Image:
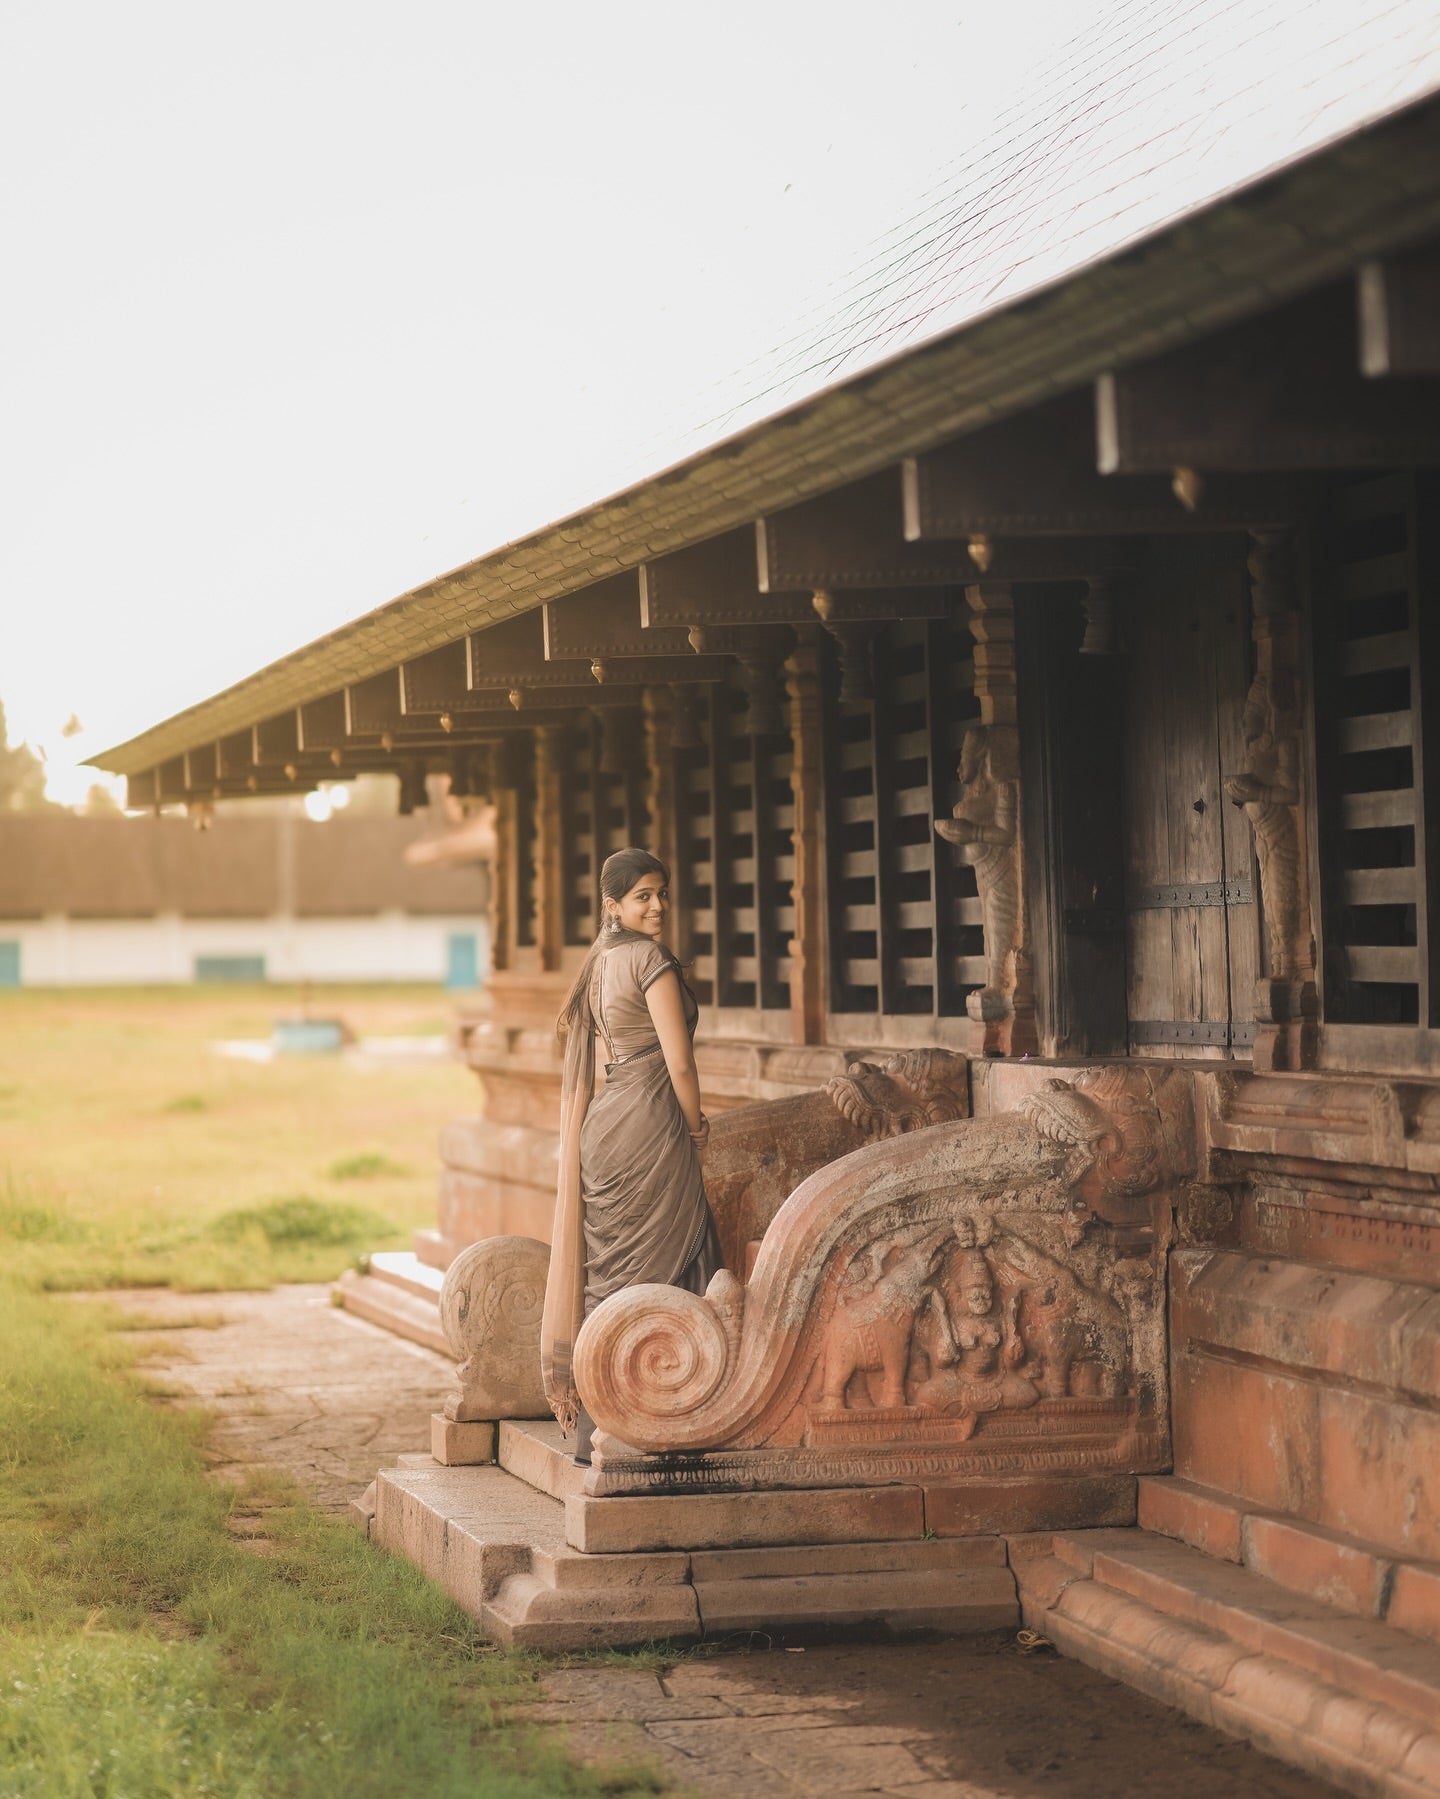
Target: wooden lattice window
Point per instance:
(695, 847)
(735, 818)
(1375, 673)
(904, 918)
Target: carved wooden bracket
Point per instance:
(985, 828)
(1270, 791)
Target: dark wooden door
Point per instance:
(1191, 921)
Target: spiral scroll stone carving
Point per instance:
(490, 1307)
(654, 1356)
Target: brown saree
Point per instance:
(630, 1204)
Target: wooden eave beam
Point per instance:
(277, 739)
(512, 654)
(606, 620)
(1399, 306)
(141, 791)
(1034, 475)
(202, 767)
(373, 705)
(170, 780)
(235, 755)
(436, 682)
(1281, 392)
(320, 724)
(853, 537)
(713, 583)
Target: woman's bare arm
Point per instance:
(667, 1014)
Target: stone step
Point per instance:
(628, 1522)
(402, 1269)
(1349, 1699)
(497, 1545)
(1354, 1576)
(535, 1450)
(394, 1307)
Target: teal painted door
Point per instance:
(462, 963)
(9, 964)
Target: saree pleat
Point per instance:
(646, 1216)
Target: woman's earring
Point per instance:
(612, 924)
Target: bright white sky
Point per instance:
(307, 302)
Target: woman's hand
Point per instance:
(701, 1136)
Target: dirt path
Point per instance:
(296, 1384)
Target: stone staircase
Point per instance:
(1317, 1649)
(1275, 1631)
(398, 1292)
(543, 1565)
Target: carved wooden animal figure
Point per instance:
(1077, 1340)
(874, 1320)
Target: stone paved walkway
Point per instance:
(298, 1385)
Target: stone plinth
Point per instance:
(503, 1549)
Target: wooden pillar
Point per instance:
(986, 828)
(659, 710)
(1271, 791)
(807, 946)
(502, 887)
(549, 850)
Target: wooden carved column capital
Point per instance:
(1270, 791)
(807, 946)
(761, 651)
(856, 638)
(985, 828)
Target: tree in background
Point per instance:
(22, 776)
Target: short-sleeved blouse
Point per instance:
(617, 998)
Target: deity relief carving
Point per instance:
(968, 1321)
(981, 1296)
(905, 1092)
(985, 828)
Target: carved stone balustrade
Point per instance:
(982, 1299)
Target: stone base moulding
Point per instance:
(504, 1550)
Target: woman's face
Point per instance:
(644, 907)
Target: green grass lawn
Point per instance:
(146, 1650)
(131, 1154)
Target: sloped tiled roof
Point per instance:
(1186, 163)
(1167, 106)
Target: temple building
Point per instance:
(1041, 717)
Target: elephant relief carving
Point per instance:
(1076, 1338)
(874, 1322)
(965, 1320)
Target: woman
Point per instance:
(631, 1204)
